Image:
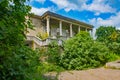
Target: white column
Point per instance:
(48, 25)
(79, 29)
(92, 32)
(71, 34)
(60, 26)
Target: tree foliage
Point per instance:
(13, 22)
(17, 62)
(110, 36)
(82, 52)
(104, 33)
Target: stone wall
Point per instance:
(38, 27)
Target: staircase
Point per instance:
(40, 42)
(37, 40)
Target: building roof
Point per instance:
(48, 13)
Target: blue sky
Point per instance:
(95, 12)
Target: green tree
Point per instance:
(118, 35)
(17, 62)
(103, 33)
(110, 36)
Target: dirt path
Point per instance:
(92, 74)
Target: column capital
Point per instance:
(47, 17)
(60, 21)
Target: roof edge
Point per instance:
(62, 17)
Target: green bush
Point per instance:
(114, 47)
(113, 57)
(19, 63)
(81, 52)
(53, 52)
(48, 67)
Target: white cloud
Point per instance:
(97, 6)
(39, 11)
(97, 13)
(65, 4)
(112, 21)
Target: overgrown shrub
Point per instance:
(19, 63)
(53, 52)
(113, 57)
(49, 67)
(114, 47)
(49, 57)
(81, 52)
